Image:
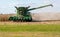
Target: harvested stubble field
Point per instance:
(30, 29)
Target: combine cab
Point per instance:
(23, 13)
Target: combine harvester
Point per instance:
(23, 13)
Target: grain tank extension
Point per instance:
(23, 13)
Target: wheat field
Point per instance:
(30, 29)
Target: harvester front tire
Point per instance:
(10, 18)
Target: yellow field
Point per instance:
(29, 34)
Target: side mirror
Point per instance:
(15, 7)
(51, 5)
(28, 7)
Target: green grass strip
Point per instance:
(30, 28)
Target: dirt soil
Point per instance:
(28, 23)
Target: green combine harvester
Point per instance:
(23, 13)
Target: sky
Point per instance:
(7, 6)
